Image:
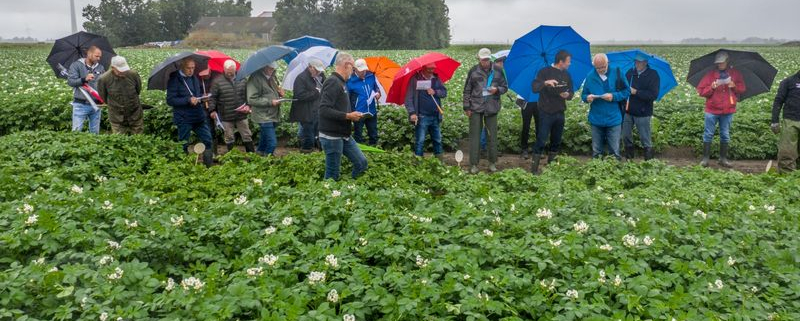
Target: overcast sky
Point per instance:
(505, 20)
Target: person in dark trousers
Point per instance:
(183, 94)
(362, 85)
(336, 121)
(423, 110)
(228, 96)
(305, 106)
(554, 86)
(530, 116)
(645, 84)
(83, 76)
(788, 99)
(485, 85)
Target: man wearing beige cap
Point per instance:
(305, 104)
(486, 83)
(364, 96)
(120, 88)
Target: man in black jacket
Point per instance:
(228, 99)
(336, 121)
(305, 106)
(788, 99)
(554, 86)
(645, 84)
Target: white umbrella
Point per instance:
(300, 63)
(500, 54)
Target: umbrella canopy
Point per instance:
(299, 64)
(303, 43)
(73, 47)
(757, 72)
(537, 49)
(445, 68)
(384, 69)
(625, 60)
(159, 76)
(216, 60)
(261, 59)
(500, 54)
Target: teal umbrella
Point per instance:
(261, 59)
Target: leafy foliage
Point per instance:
(155, 237)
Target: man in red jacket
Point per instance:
(721, 88)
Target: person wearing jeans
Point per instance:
(263, 97)
(82, 76)
(604, 91)
(554, 86)
(364, 95)
(336, 121)
(645, 88)
(423, 109)
(721, 88)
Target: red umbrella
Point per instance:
(217, 60)
(445, 68)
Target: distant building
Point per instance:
(262, 27)
(265, 14)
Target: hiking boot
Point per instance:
(648, 154)
(551, 157)
(629, 153)
(525, 154)
(474, 170)
(248, 147)
(492, 167)
(706, 154)
(230, 147)
(208, 158)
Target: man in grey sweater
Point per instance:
(82, 77)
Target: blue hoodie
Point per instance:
(360, 90)
(605, 113)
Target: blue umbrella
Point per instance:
(261, 59)
(625, 60)
(303, 43)
(538, 49)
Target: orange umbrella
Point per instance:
(384, 70)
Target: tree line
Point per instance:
(367, 24)
(134, 22)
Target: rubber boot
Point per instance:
(706, 154)
(723, 155)
(535, 166)
(208, 158)
(525, 154)
(551, 157)
(648, 154)
(248, 147)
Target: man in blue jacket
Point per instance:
(362, 86)
(645, 84)
(604, 91)
(423, 106)
(184, 94)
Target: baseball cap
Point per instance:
(317, 64)
(361, 65)
(484, 53)
(120, 64)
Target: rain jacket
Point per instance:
(605, 113)
(788, 98)
(260, 94)
(121, 94)
(721, 101)
(360, 90)
(226, 96)
(647, 88)
(180, 90)
(477, 79)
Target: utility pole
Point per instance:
(72, 16)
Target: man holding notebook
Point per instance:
(423, 103)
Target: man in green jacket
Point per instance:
(120, 88)
(263, 96)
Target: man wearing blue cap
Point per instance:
(644, 85)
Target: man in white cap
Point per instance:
(364, 95)
(263, 96)
(485, 85)
(721, 88)
(305, 103)
(120, 88)
(228, 102)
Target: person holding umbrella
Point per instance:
(184, 94)
(423, 100)
(788, 99)
(228, 102)
(645, 85)
(721, 88)
(120, 88)
(364, 96)
(305, 104)
(82, 77)
(485, 85)
(554, 86)
(264, 97)
(603, 91)
(336, 121)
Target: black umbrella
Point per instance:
(73, 47)
(757, 72)
(160, 74)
